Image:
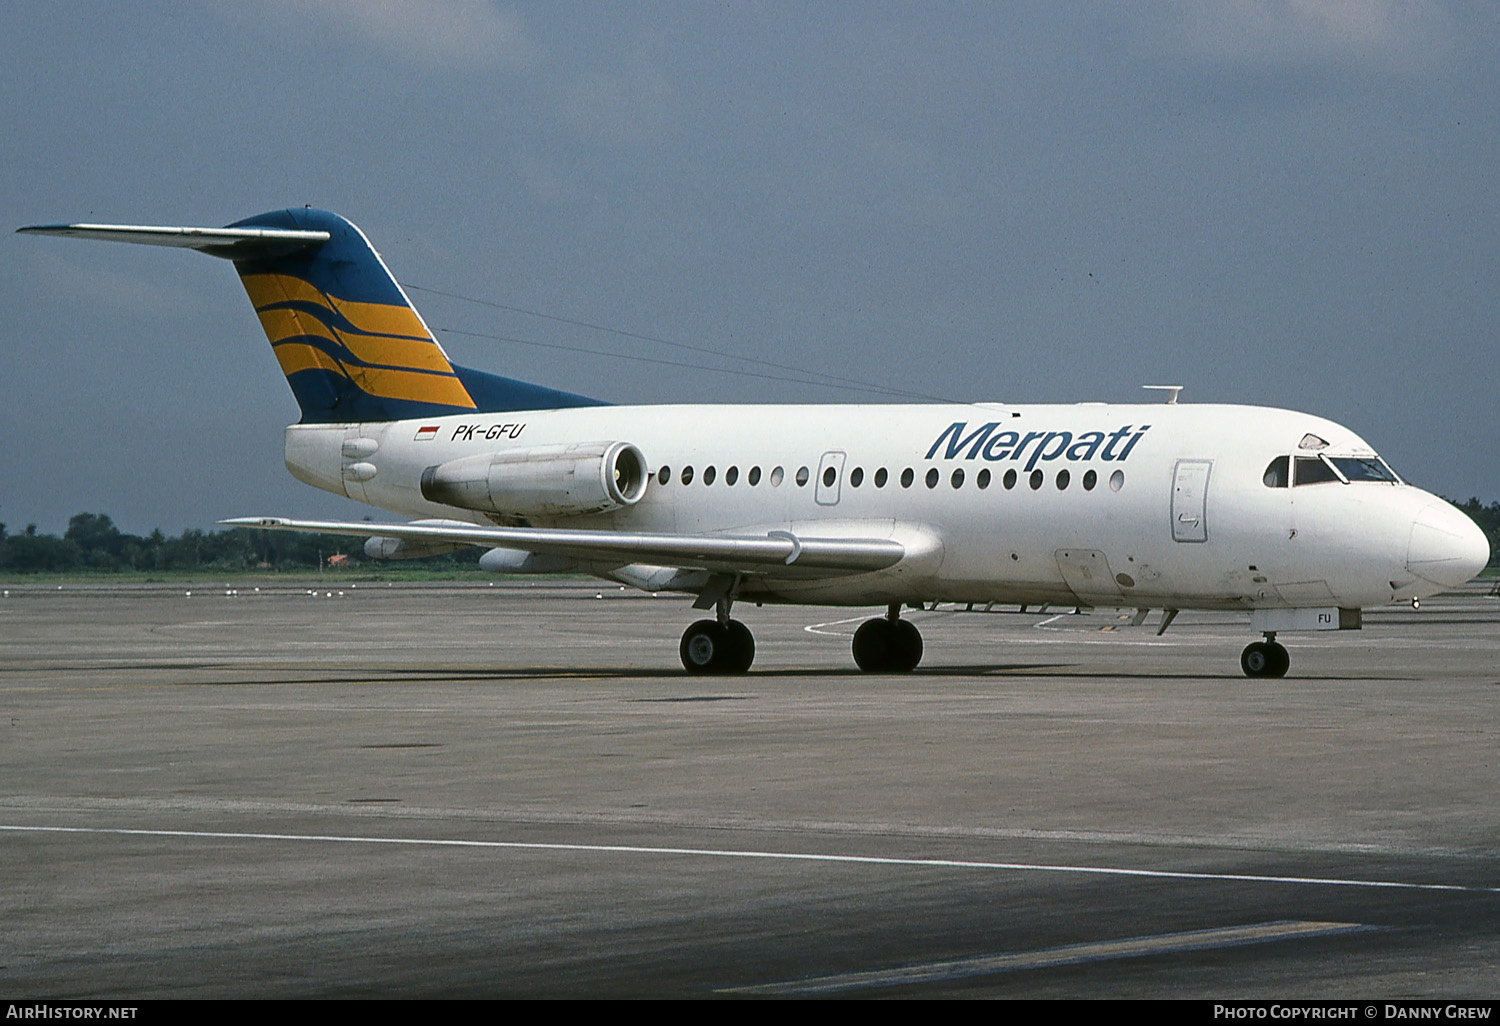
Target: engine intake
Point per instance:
(544, 481)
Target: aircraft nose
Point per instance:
(1446, 548)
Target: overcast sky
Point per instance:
(1291, 202)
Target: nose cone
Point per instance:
(1447, 548)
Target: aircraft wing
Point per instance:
(768, 553)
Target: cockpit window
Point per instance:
(1277, 473)
(1311, 470)
(1358, 469)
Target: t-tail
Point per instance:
(352, 346)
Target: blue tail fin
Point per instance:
(352, 346)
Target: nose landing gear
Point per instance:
(1265, 658)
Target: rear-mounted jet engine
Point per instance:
(545, 481)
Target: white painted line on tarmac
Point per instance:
(774, 856)
(817, 628)
(1048, 958)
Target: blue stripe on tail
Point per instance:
(351, 344)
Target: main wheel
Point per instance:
(704, 647)
(882, 645)
(708, 647)
(872, 645)
(1281, 660)
(908, 649)
(1265, 659)
(741, 648)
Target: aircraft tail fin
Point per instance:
(351, 344)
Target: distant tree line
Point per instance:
(93, 542)
(1488, 519)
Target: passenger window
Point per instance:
(932, 478)
(1063, 477)
(1276, 473)
(709, 474)
(664, 475)
(1010, 480)
(856, 477)
(803, 475)
(907, 477)
(829, 476)
(731, 475)
(958, 478)
(754, 476)
(1117, 480)
(1311, 470)
(1089, 480)
(880, 478)
(776, 477)
(983, 480)
(1036, 479)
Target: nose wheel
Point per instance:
(709, 647)
(1265, 659)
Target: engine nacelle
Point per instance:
(414, 548)
(512, 561)
(545, 481)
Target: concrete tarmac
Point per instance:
(515, 791)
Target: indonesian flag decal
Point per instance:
(426, 433)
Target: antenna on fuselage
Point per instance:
(1171, 390)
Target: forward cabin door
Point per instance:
(1190, 500)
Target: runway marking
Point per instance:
(503, 817)
(813, 628)
(782, 856)
(1048, 958)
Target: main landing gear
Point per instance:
(888, 644)
(1265, 658)
(719, 646)
(722, 647)
(711, 647)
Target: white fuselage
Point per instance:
(1161, 506)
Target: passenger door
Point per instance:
(1190, 500)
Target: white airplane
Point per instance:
(1291, 518)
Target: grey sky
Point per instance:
(1287, 203)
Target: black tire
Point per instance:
(741, 649)
(704, 647)
(908, 646)
(1281, 660)
(887, 646)
(872, 646)
(1259, 660)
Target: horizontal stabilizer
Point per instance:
(229, 243)
(781, 552)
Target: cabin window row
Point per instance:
(881, 477)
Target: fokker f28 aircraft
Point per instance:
(1288, 517)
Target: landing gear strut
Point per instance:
(888, 644)
(719, 647)
(1265, 658)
